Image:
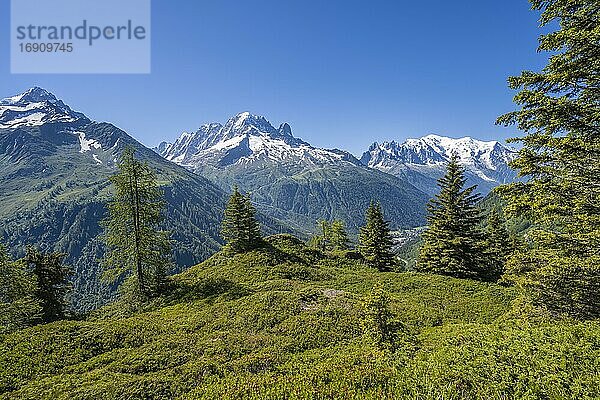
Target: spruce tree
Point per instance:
(240, 229)
(375, 240)
(19, 306)
(52, 283)
(452, 241)
(498, 246)
(560, 160)
(135, 244)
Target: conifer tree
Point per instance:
(333, 236)
(19, 307)
(339, 236)
(498, 246)
(452, 241)
(240, 229)
(323, 240)
(560, 159)
(378, 322)
(135, 244)
(375, 240)
(52, 283)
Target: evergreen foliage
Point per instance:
(284, 321)
(19, 307)
(452, 242)
(135, 245)
(498, 246)
(52, 283)
(378, 322)
(240, 229)
(339, 236)
(560, 158)
(333, 236)
(375, 240)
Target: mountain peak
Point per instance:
(486, 162)
(247, 123)
(34, 95)
(247, 138)
(35, 107)
(285, 129)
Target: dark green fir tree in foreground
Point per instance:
(559, 270)
(240, 229)
(375, 241)
(452, 242)
(52, 283)
(135, 244)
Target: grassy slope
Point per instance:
(285, 323)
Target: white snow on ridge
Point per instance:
(33, 108)
(244, 139)
(33, 119)
(87, 144)
(228, 144)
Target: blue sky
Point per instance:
(343, 73)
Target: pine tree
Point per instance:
(52, 283)
(452, 242)
(134, 243)
(240, 228)
(19, 307)
(560, 159)
(498, 246)
(339, 236)
(375, 240)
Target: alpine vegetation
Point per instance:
(558, 269)
(135, 244)
(375, 240)
(411, 285)
(452, 243)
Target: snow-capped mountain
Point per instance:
(246, 139)
(423, 160)
(35, 107)
(290, 178)
(55, 166)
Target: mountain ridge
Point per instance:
(248, 138)
(54, 174)
(423, 160)
(288, 176)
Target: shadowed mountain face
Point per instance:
(291, 179)
(54, 169)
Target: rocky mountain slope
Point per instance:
(422, 161)
(54, 169)
(291, 179)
